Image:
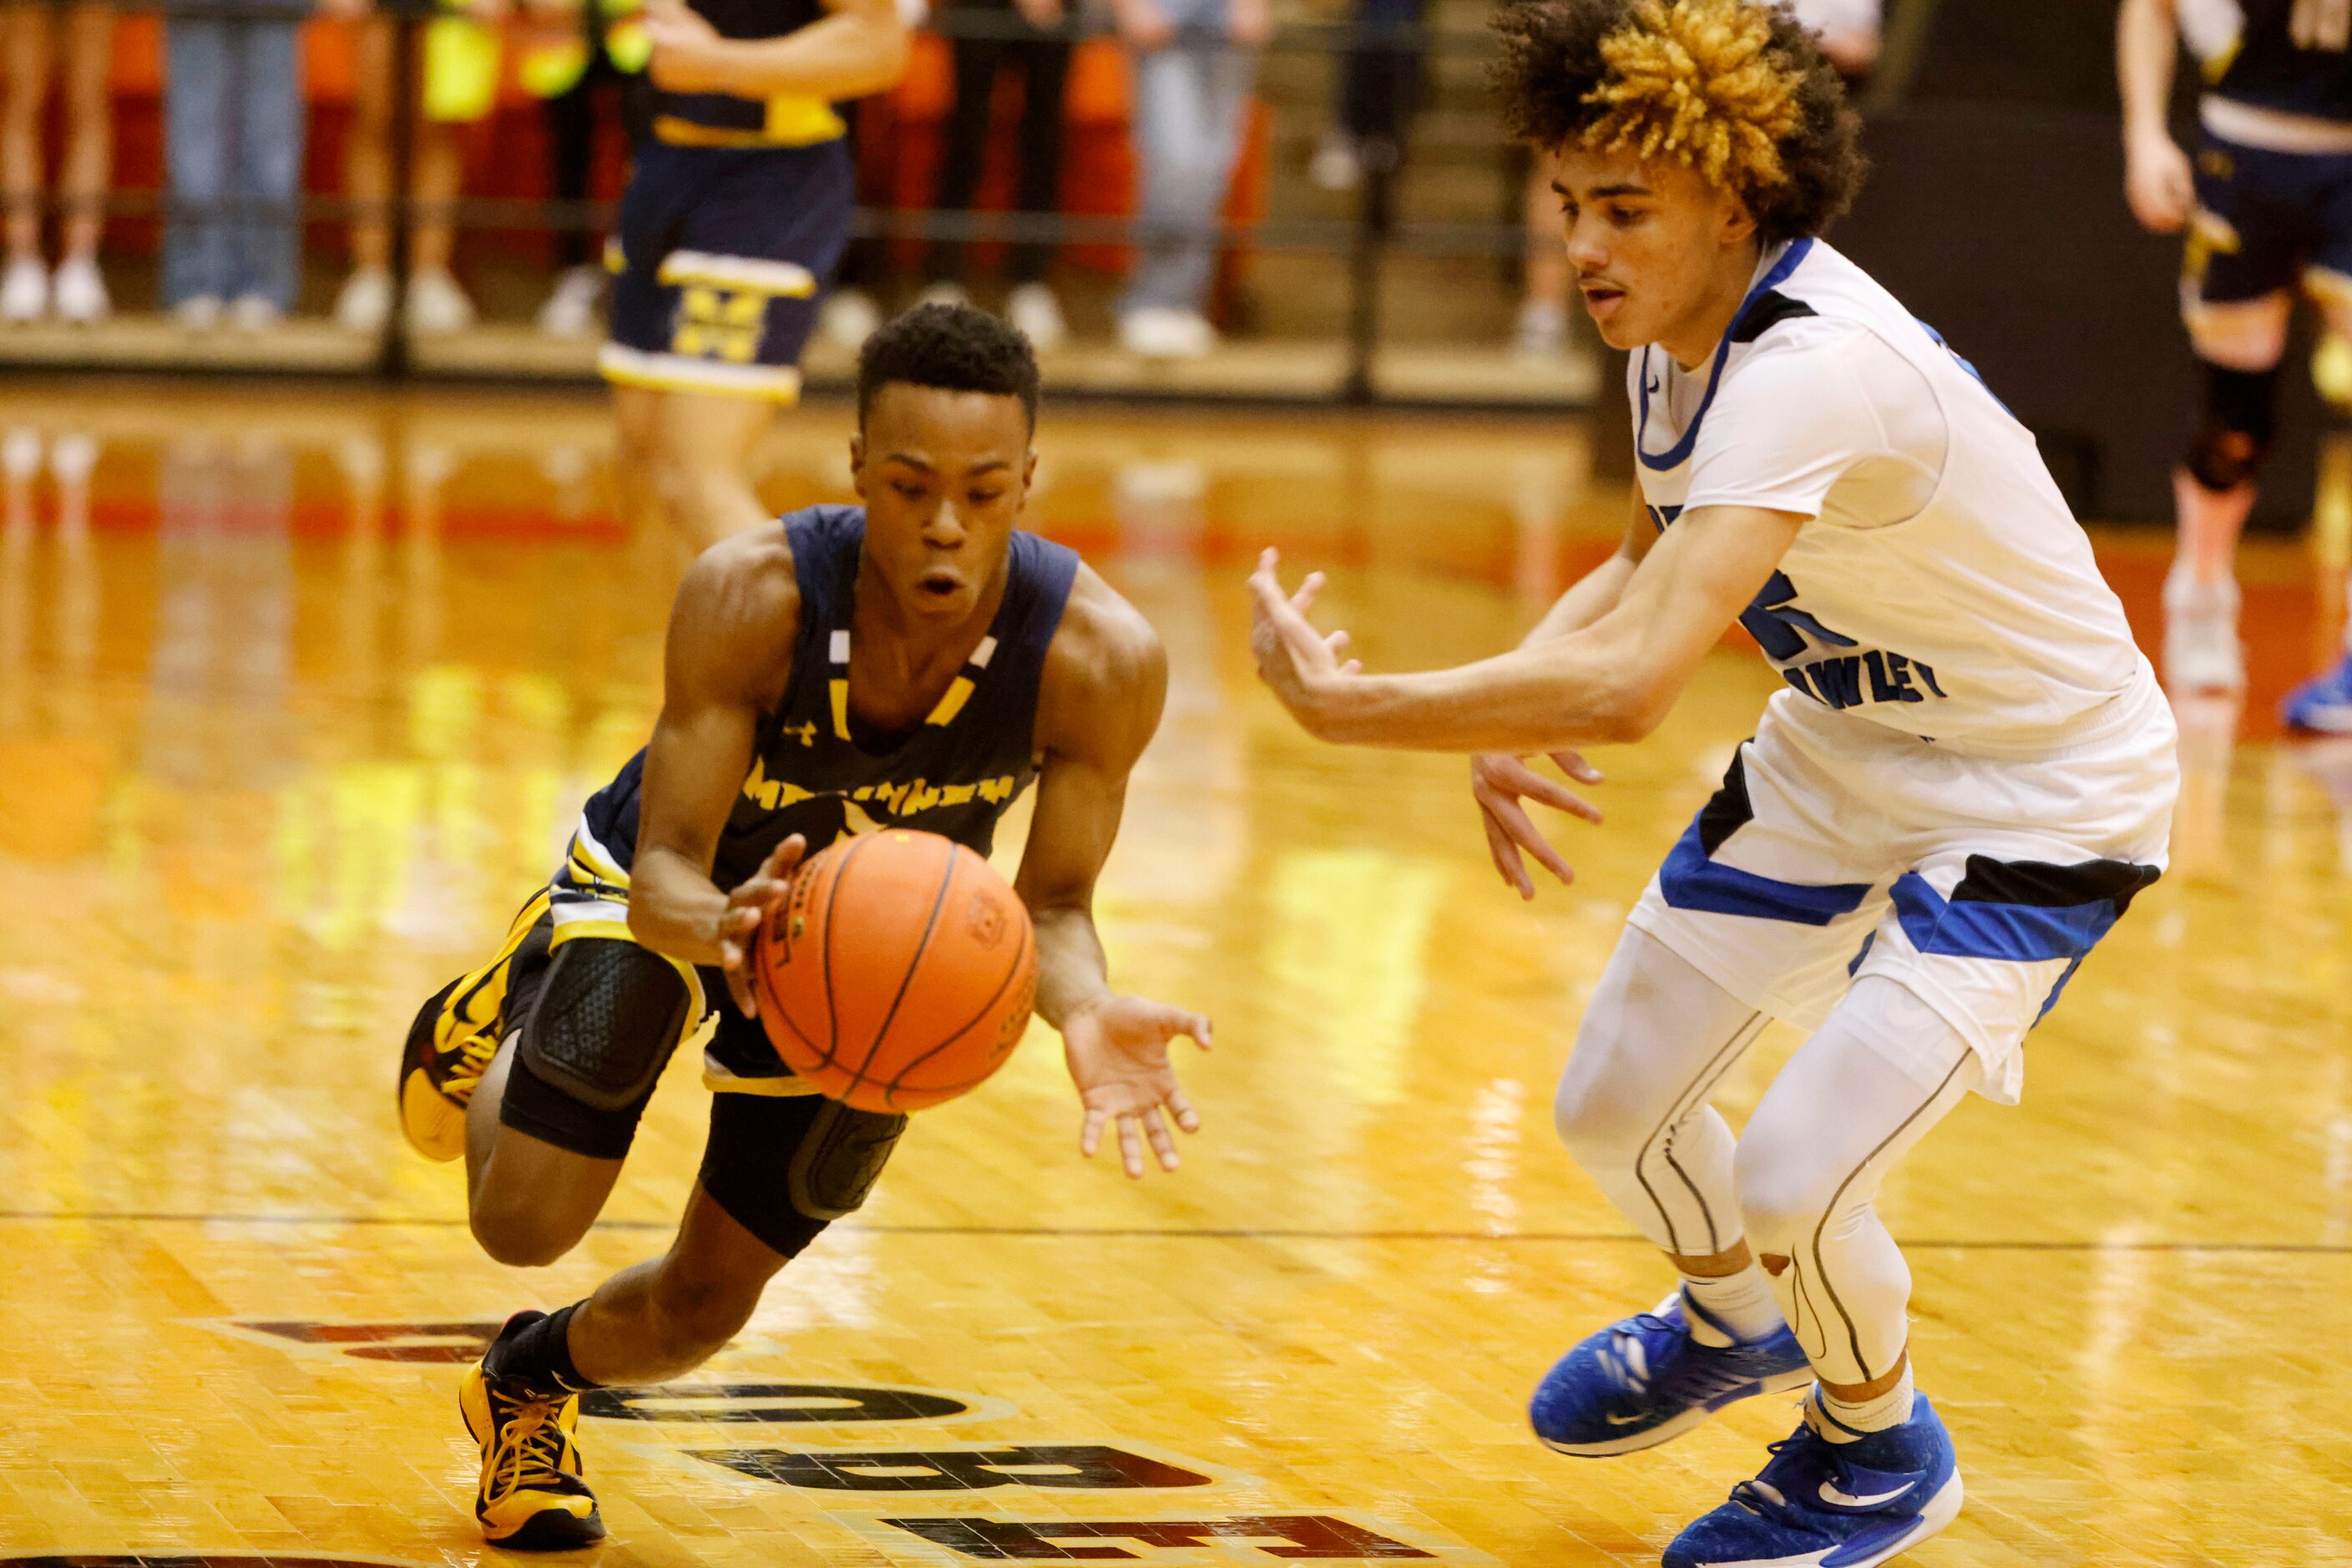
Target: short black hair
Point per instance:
(1748, 66)
(955, 348)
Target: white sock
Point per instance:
(1847, 1422)
(1741, 1303)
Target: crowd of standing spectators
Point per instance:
(234, 114)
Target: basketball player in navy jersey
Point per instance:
(2267, 204)
(735, 218)
(914, 662)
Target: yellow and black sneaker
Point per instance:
(456, 1035)
(530, 1497)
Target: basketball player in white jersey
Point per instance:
(2267, 205)
(1969, 777)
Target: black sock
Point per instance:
(539, 1353)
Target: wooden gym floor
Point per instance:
(298, 692)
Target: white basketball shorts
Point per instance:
(1838, 847)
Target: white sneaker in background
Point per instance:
(437, 306)
(23, 292)
(253, 313)
(1337, 165)
(1540, 331)
(365, 301)
(1157, 333)
(1032, 308)
(571, 310)
(77, 292)
(848, 317)
(2201, 652)
(198, 313)
(944, 294)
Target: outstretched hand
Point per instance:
(1300, 664)
(1500, 782)
(1117, 1049)
(747, 905)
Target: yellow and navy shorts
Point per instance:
(721, 252)
(597, 1015)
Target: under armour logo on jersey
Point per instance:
(804, 734)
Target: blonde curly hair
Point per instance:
(1737, 90)
(1698, 81)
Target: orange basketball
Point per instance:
(898, 972)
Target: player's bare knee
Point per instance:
(521, 1233)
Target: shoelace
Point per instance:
(475, 1052)
(530, 1445)
(1764, 1499)
(1626, 1358)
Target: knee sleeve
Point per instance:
(785, 1166)
(2235, 429)
(1856, 1098)
(608, 1017)
(1632, 1102)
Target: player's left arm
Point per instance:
(860, 48)
(1105, 681)
(1612, 680)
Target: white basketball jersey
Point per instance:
(1941, 587)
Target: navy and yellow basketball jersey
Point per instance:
(815, 771)
(723, 120)
(2290, 56)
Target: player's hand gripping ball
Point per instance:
(897, 973)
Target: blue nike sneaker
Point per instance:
(1819, 1504)
(1645, 1380)
(2322, 705)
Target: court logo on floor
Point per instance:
(1232, 1539)
(1058, 1467)
(195, 1559)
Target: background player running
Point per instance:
(736, 215)
(2268, 208)
(1968, 777)
(915, 662)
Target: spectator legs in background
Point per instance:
(198, 154)
(266, 239)
(1044, 64)
(570, 119)
(233, 127)
(1380, 89)
(848, 315)
(1045, 70)
(78, 292)
(1541, 330)
(1189, 99)
(436, 302)
(963, 143)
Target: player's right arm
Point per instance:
(860, 48)
(2158, 181)
(1500, 782)
(727, 657)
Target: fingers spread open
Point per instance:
(1507, 858)
(1523, 833)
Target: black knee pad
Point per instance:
(2240, 418)
(607, 1018)
(840, 1158)
(786, 1166)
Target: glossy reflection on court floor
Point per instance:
(299, 692)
